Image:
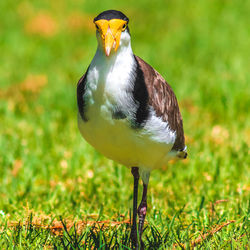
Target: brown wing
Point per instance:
(164, 102)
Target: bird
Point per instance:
(127, 111)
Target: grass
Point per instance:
(57, 192)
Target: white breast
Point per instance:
(107, 85)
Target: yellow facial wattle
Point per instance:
(110, 31)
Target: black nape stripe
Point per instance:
(81, 88)
(140, 94)
(111, 14)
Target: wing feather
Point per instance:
(164, 102)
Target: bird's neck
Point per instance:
(119, 67)
(123, 55)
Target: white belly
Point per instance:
(118, 141)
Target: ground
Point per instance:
(57, 191)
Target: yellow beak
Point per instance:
(110, 31)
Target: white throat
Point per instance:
(114, 74)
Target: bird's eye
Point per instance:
(124, 27)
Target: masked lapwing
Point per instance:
(127, 111)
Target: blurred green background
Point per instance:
(46, 168)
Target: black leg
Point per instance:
(142, 209)
(135, 173)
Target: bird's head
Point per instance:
(112, 30)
